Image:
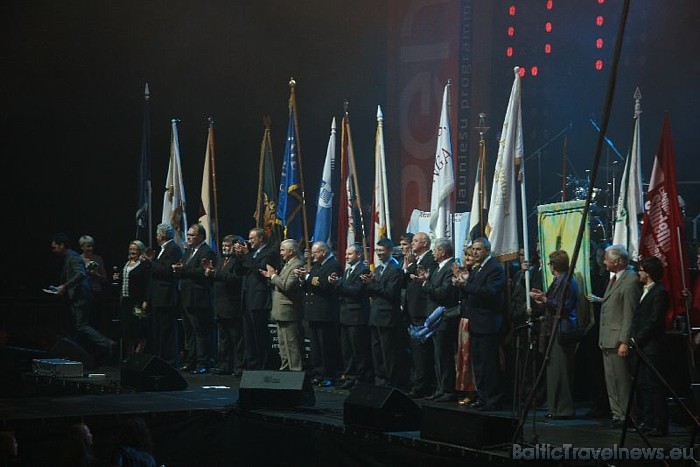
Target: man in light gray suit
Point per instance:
(617, 310)
(287, 306)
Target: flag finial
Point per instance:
(637, 102)
(516, 70)
(481, 127)
(147, 92)
(380, 115)
(267, 121)
(346, 106)
(292, 82)
(211, 121)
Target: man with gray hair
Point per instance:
(163, 293)
(616, 312)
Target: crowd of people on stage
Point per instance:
(441, 328)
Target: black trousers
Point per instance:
(199, 343)
(422, 354)
(324, 348)
(651, 394)
(484, 352)
(355, 341)
(80, 323)
(231, 344)
(257, 338)
(445, 343)
(388, 356)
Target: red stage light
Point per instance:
(599, 20)
(511, 31)
(521, 71)
(550, 4)
(509, 51)
(599, 43)
(598, 65)
(548, 48)
(511, 10)
(534, 71)
(548, 26)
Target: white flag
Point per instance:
(502, 226)
(441, 204)
(206, 211)
(324, 209)
(380, 215)
(174, 197)
(479, 205)
(630, 201)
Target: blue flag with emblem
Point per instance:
(289, 201)
(324, 210)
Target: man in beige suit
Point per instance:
(287, 306)
(616, 312)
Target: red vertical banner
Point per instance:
(424, 51)
(663, 232)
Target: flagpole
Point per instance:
(293, 105)
(380, 122)
(147, 98)
(453, 195)
(215, 218)
(563, 171)
(259, 213)
(351, 161)
(520, 163)
(481, 165)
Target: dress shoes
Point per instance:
(434, 396)
(446, 397)
(316, 380)
(200, 371)
(617, 423)
(465, 402)
(477, 404)
(417, 394)
(326, 383)
(187, 367)
(222, 372)
(552, 416)
(347, 384)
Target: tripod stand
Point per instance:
(525, 369)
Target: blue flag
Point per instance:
(289, 201)
(324, 211)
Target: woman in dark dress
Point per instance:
(133, 284)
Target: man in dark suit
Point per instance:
(416, 309)
(440, 291)
(227, 277)
(354, 317)
(384, 287)
(648, 329)
(482, 304)
(321, 313)
(163, 293)
(195, 291)
(75, 286)
(257, 298)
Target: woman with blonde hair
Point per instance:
(133, 305)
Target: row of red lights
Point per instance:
(510, 31)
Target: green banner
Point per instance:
(558, 226)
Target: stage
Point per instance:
(203, 425)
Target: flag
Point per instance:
(350, 224)
(630, 202)
(174, 197)
(266, 206)
(207, 207)
(324, 210)
(663, 232)
(442, 195)
(144, 215)
(479, 207)
(502, 225)
(381, 219)
(289, 207)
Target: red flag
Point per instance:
(663, 233)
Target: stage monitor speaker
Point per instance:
(275, 389)
(70, 350)
(381, 408)
(144, 372)
(466, 428)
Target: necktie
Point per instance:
(379, 271)
(612, 281)
(348, 271)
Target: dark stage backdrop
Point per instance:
(72, 76)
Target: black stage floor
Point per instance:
(202, 425)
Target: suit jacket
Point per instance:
(228, 281)
(320, 301)
(286, 292)
(137, 284)
(163, 284)
(483, 298)
(195, 287)
(385, 292)
(74, 277)
(648, 324)
(353, 296)
(616, 312)
(416, 300)
(440, 291)
(256, 290)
